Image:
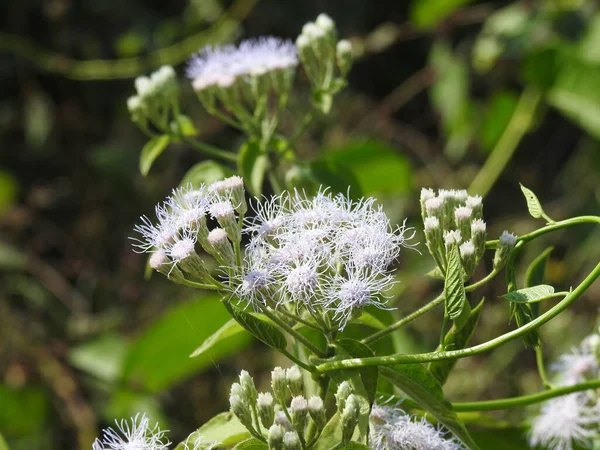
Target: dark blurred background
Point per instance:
(479, 95)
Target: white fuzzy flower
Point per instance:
(566, 422)
(222, 66)
(135, 434)
(198, 443)
(393, 429)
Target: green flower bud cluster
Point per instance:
(283, 417)
(155, 98)
(348, 407)
(325, 59)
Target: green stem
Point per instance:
(539, 359)
(470, 351)
(524, 400)
(299, 337)
(481, 282)
(549, 228)
(209, 149)
(212, 287)
(500, 156)
(298, 319)
(404, 321)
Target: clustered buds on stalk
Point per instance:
(284, 417)
(452, 217)
(155, 98)
(573, 420)
(182, 229)
(321, 53)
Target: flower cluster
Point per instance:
(155, 97)
(393, 429)
(320, 53)
(570, 421)
(323, 253)
(285, 414)
(326, 254)
(240, 80)
(183, 223)
(453, 217)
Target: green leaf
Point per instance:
(530, 295)
(368, 375)
(457, 306)
(251, 444)
(576, 93)
(450, 96)
(159, 357)
(206, 172)
(127, 402)
(3, 444)
(418, 383)
(263, 331)
(252, 164)
(436, 273)
(589, 45)
(496, 117)
(377, 166)
(355, 446)
(370, 320)
(455, 340)
(505, 439)
(102, 358)
(328, 172)
(185, 124)
(223, 428)
(429, 13)
(331, 434)
(152, 150)
(25, 412)
(533, 204)
(11, 258)
(231, 328)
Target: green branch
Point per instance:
(470, 351)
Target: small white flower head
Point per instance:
(136, 434)
(392, 429)
(217, 237)
(426, 194)
(325, 22)
(189, 205)
(433, 206)
(183, 247)
(159, 235)
(431, 223)
(158, 260)
(474, 202)
(222, 210)
(478, 227)
(460, 195)
(507, 239)
(222, 66)
(452, 237)
(301, 282)
(463, 213)
(579, 365)
(565, 423)
(467, 249)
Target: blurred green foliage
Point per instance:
(434, 95)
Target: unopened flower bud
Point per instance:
(241, 409)
(291, 441)
(433, 233)
(469, 257)
(144, 87)
(506, 243)
(343, 55)
(451, 238)
(426, 194)
(221, 247)
(316, 410)
(462, 219)
(225, 214)
(433, 207)
(294, 380)
(275, 438)
(325, 22)
(475, 202)
(279, 384)
(460, 195)
(237, 389)
(349, 417)
(247, 384)
(478, 236)
(282, 420)
(299, 413)
(266, 409)
(160, 262)
(343, 392)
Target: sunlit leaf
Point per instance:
(252, 164)
(457, 306)
(102, 358)
(223, 428)
(152, 150)
(231, 328)
(530, 294)
(206, 172)
(533, 204)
